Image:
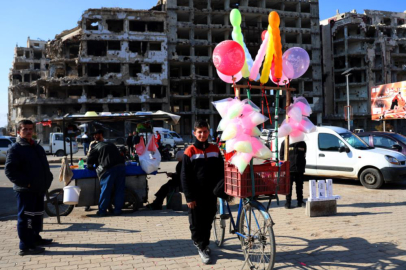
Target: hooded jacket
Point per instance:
(202, 169)
(28, 168)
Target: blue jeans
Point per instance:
(85, 148)
(30, 207)
(112, 178)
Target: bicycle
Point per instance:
(254, 228)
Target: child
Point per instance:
(202, 169)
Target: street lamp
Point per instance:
(347, 73)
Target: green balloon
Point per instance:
(235, 17)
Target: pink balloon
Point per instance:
(229, 79)
(229, 57)
(295, 62)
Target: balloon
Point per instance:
(259, 58)
(306, 125)
(228, 57)
(295, 62)
(248, 57)
(263, 34)
(295, 113)
(229, 132)
(274, 22)
(235, 19)
(302, 103)
(282, 81)
(229, 79)
(266, 69)
(222, 106)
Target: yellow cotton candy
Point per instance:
(229, 133)
(240, 163)
(264, 153)
(243, 147)
(256, 132)
(235, 110)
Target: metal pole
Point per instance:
(348, 103)
(383, 125)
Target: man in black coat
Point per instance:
(130, 144)
(28, 168)
(297, 160)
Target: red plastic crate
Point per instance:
(265, 175)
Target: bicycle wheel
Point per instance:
(259, 244)
(50, 206)
(219, 227)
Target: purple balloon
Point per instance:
(295, 62)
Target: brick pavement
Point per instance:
(367, 233)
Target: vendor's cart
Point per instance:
(136, 192)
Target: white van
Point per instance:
(169, 137)
(55, 146)
(334, 152)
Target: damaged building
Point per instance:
(373, 44)
(119, 60)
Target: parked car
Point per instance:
(5, 145)
(56, 148)
(266, 134)
(13, 139)
(335, 152)
(386, 140)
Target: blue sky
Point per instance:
(44, 19)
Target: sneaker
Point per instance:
(43, 242)
(204, 256)
(31, 251)
(154, 206)
(101, 214)
(287, 205)
(208, 250)
(301, 204)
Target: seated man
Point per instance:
(170, 185)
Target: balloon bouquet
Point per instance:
(240, 118)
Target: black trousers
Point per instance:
(30, 207)
(165, 189)
(298, 179)
(201, 219)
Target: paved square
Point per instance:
(367, 233)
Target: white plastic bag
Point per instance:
(150, 161)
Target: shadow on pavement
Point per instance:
(88, 227)
(319, 253)
(374, 204)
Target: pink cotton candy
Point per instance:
(238, 161)
(246, 109)
(222, 106)
(256, 145)
(307, 126)
(264, 153)
(230, 145)
(285, 129)
(306, 110)
(247, 157)
(295, 113)
(296, 136)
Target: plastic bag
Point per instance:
(150, 161)
(140, 148)
(152, 145)
(65, 173)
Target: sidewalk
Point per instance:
(367, 233)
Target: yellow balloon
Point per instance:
(266, 69)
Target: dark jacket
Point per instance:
(202, 169)
(297, 156)
(28, 168)
(136, 140)
(129, 140)
(104, 156)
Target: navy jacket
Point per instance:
(28, 168)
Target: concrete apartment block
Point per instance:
(374, 45)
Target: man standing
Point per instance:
(129, 143)
(110, 169)
(27, 167)
(86, 143)
(297, 163)
(136, 138)
(158, 139)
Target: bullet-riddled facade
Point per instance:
(133, 60)
(373, 44)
